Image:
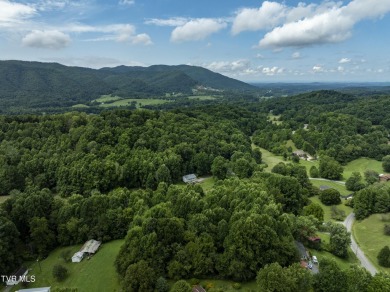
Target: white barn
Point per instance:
(190, 178)
(90, 247)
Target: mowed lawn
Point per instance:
(327, 209)
(361, 165)
(96, 274)
(202, 97)
(369, 235)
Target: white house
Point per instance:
(41, 289)
(90, 247)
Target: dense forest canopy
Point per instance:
(116, 174)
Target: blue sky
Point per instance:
(254, 41)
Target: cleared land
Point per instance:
(139, 102)
(361, 165)
(328, 209)
(96, 274)
(107, 98)
(369, 235)
(274, 119)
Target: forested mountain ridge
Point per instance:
(33, 85)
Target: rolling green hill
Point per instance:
(38, 87)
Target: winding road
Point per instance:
(348, 222)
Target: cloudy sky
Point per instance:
(256, 41)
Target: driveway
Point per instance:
(348, 222)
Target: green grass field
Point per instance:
(208, 183)
(270, 159)
(361, 165)
(274, 119)
(337, 186)
(139, 102)
(227, 286)
(369, 235)
(96, 274)
(202, 97)
(327, 209)
(80, 105)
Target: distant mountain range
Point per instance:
(40, 85)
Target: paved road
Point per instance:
(348, 222)
(324, 179)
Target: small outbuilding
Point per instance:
(41, 289)
(190, 178)
(198, 288)
(89, 248)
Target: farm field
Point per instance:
(337, 186)
(361, 165)
(369, 235)
(80, 105)
(96, 274)
(107, 98)
(139, 102)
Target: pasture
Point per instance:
(96, 274)
(369, 235)
(138, 102)
(361, 165)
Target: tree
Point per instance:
(9, 239)
(219, 168)
(330, 197)
(354, 183)
(331, 278)
(41, 235)
(380, 282)
(315, 210)
(162, 285)
(140, 277)
(386, 163)
(330, 168)
(340, 239)
(384, 257)
(163, 175)
(358, 278)
(314, 172)
(371, 176)
(60, 272)
(181, 286)
(274, 278)
(257, 155)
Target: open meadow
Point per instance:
(96, 274)
(369, 235)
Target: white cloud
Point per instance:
(141, 39)
(197, 29)
(13, 13)
(271, 71)
(175, 21)
(306, 25)
(318, 69)
(344, 60)
(340, 68)
(267, 16)
(49, 39)
(229, 67)
(126, 2)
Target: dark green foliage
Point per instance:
(386, 229)
(139, 277)
(220, 167)
(314, 172)
(330, 197)
(291, 279)
(315, 210)
(331, 278)
(181, 286)
(384, 257)
(337, 214)
(358, 278)
(59, 272)
(354, 182)
(380, 282)
(340, 239)
(373, 199)
(330, 168)
(162, 285)
(386, 163)
(371, 176)
(9, 239)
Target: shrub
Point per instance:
(237, 286)
(330, 197)
(387, 229)
(60, 272)
(384, 257)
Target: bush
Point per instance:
(387, 229)
(66, 255)
(384, 257)
(237, 286)
(337, 214)
(60, 272)
(330, 197)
